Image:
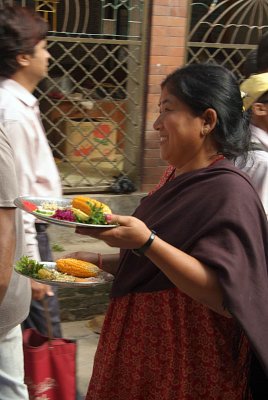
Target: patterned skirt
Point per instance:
(166, 346)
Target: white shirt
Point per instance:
(36, 169)
(257, 165)
(14, 307)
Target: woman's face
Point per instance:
(182, 142)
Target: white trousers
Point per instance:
(12, 385)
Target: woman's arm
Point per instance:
(191, 276)
(109, 262)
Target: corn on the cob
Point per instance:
(85, 204)
(81, 269)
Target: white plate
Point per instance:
(61, 202)
(102, 278)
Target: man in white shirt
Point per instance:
(15, 291)
(23, 63)
(255, 92)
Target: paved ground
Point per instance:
(87, 342)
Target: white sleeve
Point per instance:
(30, 236)
(258, 172)
(24, 146)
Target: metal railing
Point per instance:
(225, 31)
(92, 100)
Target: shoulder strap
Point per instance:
(257, 146)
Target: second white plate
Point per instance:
(102, 278)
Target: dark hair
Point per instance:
(203, 86)
(250, 63)
(262, 54)
(20, 30)
(263, 98)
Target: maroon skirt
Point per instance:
(166, 346)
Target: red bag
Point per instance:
(49, 366)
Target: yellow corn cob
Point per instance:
(84, 204)
(81, 269)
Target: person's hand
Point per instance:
(131, 233)
(106, 262)
(39, 290)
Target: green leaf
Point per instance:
(97, 216)
(28, 267)
(57, 247)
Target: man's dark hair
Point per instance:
(21, 28)
(262, 54)
(263, 98)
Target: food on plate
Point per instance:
(80, 215)
(78, 268)
(28, 267)
(65, 215)
(87, 205)
(46, 205)
(89, 210)
(43, 211)
(53, 275)
(29, 206)
(80, 209)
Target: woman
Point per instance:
(189, 299)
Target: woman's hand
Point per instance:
(130, 234)
(107, 262)
(39, 291)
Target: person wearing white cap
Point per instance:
(255, 98)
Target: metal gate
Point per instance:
(225, 31)
(92, 100)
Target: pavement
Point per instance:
(87, 342)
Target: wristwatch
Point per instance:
(139, 252)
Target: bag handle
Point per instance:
(48, 320)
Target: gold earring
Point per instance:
(204, 131)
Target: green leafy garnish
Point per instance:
(57, 247)
(96, 217)
(28, 267)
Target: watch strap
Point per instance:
(139, 252)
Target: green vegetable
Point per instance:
(28, 267)
(47, 213)
(57, 247)
(96, 217)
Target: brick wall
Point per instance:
(169, 19)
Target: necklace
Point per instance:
(220, 157)
(170, 173)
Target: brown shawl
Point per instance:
(215, 215)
